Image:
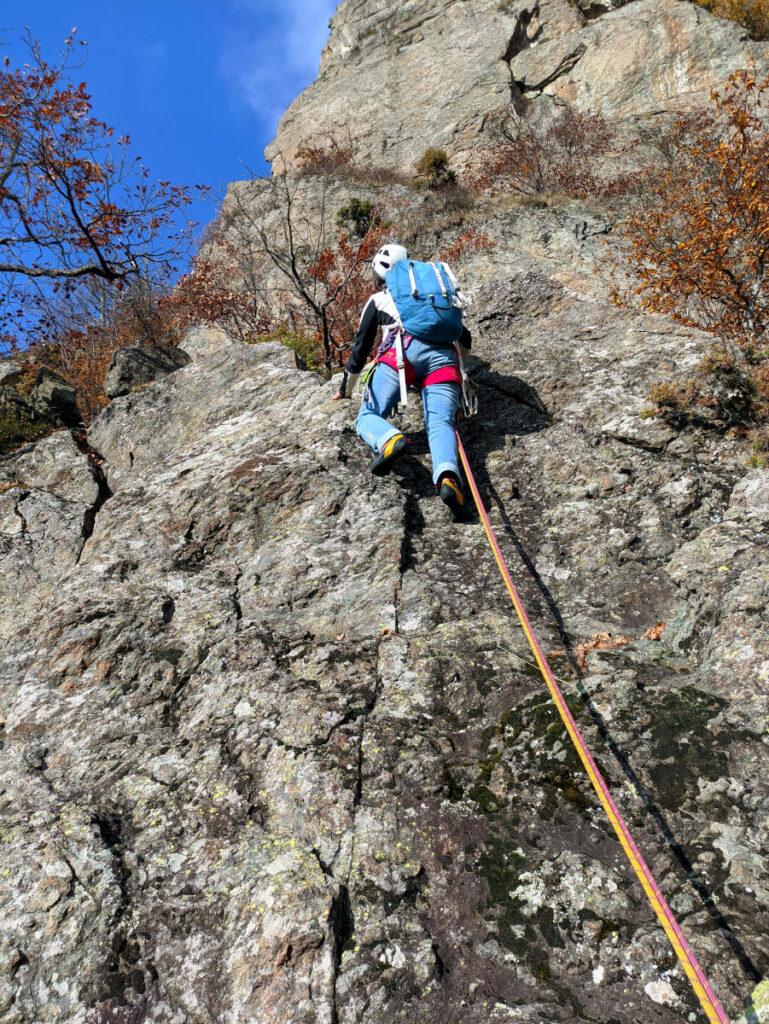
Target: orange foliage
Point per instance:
(215, 292)
(468, 242)
(606, 642)
(344, 273)
(655, 632)
(74, 205)
(82, 354)
(753, 14)
(701, 247)
(336, 153)
(560, 156)
(324, 154)
(600, 642)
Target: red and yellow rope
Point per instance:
(694, 972)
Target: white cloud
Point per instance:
(271, 61)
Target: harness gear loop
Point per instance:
(697, 978)
(400, 362)
(469, 390)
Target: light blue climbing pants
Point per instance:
(440, 403)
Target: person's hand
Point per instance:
(337, 396)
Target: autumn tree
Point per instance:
(343, 271)
(699, 252)
(700, 249)
(286, 223)
(223, 288)
(558, 155)
(75, 206)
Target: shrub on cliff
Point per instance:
(700, 248)
(304, 346)
(337, 153)
(17, 430)
(434, 168)
(358, 217)
(562, 155)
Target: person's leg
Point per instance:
(379, 400)
(441, 402)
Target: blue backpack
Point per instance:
(428, 299)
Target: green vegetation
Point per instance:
(434, 169)
(15, 431)
(358, 216)
(305, 349)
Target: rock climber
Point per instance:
(433, 368)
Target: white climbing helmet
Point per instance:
(386, 259)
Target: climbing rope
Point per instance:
(694, 972)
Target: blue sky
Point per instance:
(198, 84)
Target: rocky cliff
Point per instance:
(399, 77)
(273, 748)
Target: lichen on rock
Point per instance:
(273, 747)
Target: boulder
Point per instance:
(645, 58)
(136, 365)
(203, 340)
(55, 399)
(11, 372)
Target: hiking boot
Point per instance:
(389, 455)
(450, 493)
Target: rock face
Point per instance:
(648, 57)
(138, 365)
(400, 77)
(11, 372)
(274, 749)
(278, 751)
(55, 399)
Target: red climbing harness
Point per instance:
(446, 374)
(694, 972)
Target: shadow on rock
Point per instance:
(517, 410)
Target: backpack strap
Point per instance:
(414, 289)
(400, 361)
(441, 282)
(458, 297)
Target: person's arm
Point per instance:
(361, 349)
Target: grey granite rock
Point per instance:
(275, 749)
(54, 399)
(278, 729)
(399, 77)
(137, 365)
(11, 372)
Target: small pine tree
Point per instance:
(358, 217)
(434, 169)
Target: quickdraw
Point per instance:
(699, 982)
